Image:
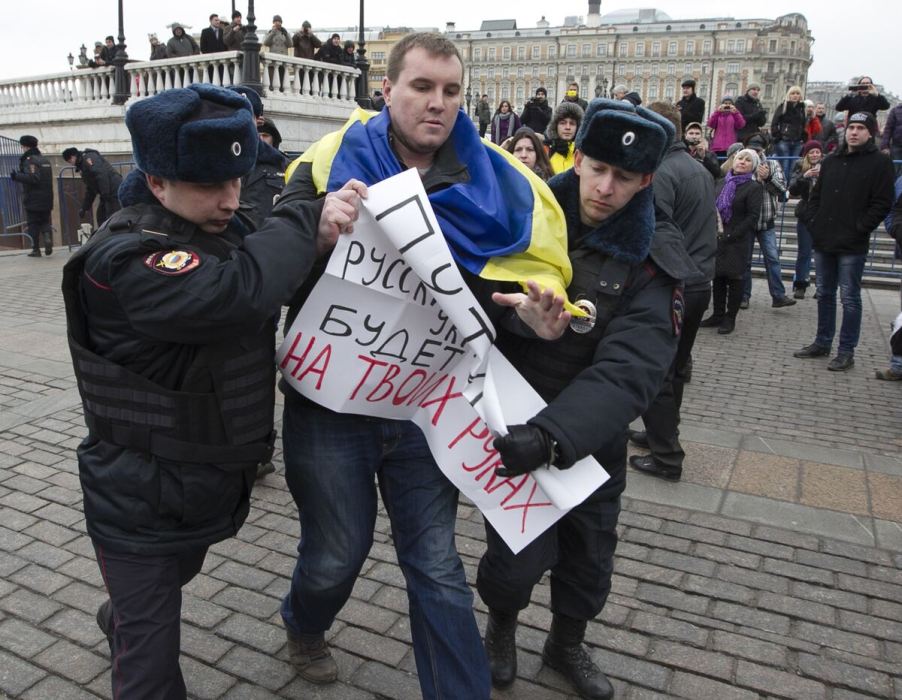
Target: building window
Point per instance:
(599, 69)
(732, 88)
(687, 69)
(571, 50)
(492, 53)
(640, 49)
(491, 75)
(770, 66)
(624, 49)
(520, 72)
(491, 94)
(731, 46)
(703, 90)
(621, 70)
(733, 68)
(740, 46)
(535, 71)
(536, 51)
(505, 92)
(552, 70)
(477, 54)
(601, 49)
(656, 48)
(668, 93)
(585, 70)
(671, 69)
(378, 55)
(506, 53)
(690, 48)
(772, 46)
(769, 91)
(653, 91)
(672, 48)
(521, 52)
(587, 51)
(520, 93)
(552, 51)
(476, 73)
(505, 72)
(706, 47)
(654, 68)
(704, 69)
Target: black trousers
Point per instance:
(579, 551)
(37, 225)
(146, 592)
(662, 419)
(726, 295)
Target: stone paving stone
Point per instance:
(793, 607)
(877, 589)
(763, 547)
(886, 495)
(301, 689)
(10, 540)
(253, 633)
(829, 596)
(671, 598)
(809, 574)
(369, 645)
(640, 521)
(22, 638)
(51, 533)
(72, 662)
(633, 670)
(828, 561)
(78, 595)
(778, 683)
(787, 537)
(204, 682)
(766, 475)
(687, 658)
(22, 502)
(694, 533)
(871, 625)
(656, 539)
(727, 556)
(831, 637)
(17, 675)
(246, 691)
(742, 646)
(759, 619)
(59, 514)
(248, 602)
(688, 685)
(76, 626)
(681, 562)
(29, 606)
(14, 519)
(890, 575)
(58, 689)
(668, 628)
(242, 575)
(371, 617)
(386, 681)
(262, 670)
(837, 673)
(838, 488)
(718, 589)
(708, 465)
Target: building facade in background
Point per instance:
(645, 50)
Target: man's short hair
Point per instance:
(235, 14)
(111, 38)
(693, 125)
(70, 153)
(542, 90)
(670, 113)
(574, 84)
(434, 44)
(213, 15)
(690, 83)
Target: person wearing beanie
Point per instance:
(277, 39)
(560, 135)
(35, 175)
(852, 195)
(330, 52)
(691, 106)
(697, 147)
(738, 203)
(726, 121)
(100, 178)
(171, 309)
(305, 42)
(348, 57)
(537, 112)
(234, 33)
(598, 377)
(804, 175)
(750, 108)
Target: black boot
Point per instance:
(718, 303)
(501, 647)
(565, 653)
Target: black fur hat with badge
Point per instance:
(201, 133)
(628, 137)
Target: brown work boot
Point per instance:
(312, 658)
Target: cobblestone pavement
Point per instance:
(773, 570)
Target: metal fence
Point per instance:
(12, 215)
(70, 191)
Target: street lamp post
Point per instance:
(363, 84)
(83, 56)
(71, 60)
(120, 97)
(250, 49)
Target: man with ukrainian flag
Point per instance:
(502, 224)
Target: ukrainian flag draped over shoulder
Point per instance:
(503, 223)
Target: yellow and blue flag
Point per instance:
(502, 224)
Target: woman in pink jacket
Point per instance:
(726, 120)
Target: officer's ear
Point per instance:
(646, 180)
(158, 187)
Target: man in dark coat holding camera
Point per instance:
(171, 310)
(537, 112)
(100, 179)
(602, 374)
(36, 177)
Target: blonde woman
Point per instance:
(788, 129)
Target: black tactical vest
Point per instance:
(229, 427)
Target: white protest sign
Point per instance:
(391, 330)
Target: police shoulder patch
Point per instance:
(678, 308)
(173, 262)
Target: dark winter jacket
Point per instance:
(800, 186)
(305, 45)
(261, 187)
(684, 191)
(733, 241)
(483, 112)
(789, 122)
(852, 195)
(827, 134)
(158, 52)
(853, 102)
(692, 109)
(100, 179)
(211, 40)
(329, 53)
(36, 177)
(597, 382)
(892, 130)
(536, 115)
(755, 116)
(233, 37)
(181, 315)
(181, 44)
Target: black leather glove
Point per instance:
(524, 449)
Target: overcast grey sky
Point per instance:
(850, 38)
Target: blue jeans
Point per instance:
(767, 242)
(802, 277)
(332, 463)
(843, 270)
(788, 152)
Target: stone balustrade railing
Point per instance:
(282, 76)
(83, 86)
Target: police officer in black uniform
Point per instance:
(171, 312)
(36, 177)
(261, 187)
(601, 374)
(101, 180)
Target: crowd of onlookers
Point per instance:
(221, 36)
